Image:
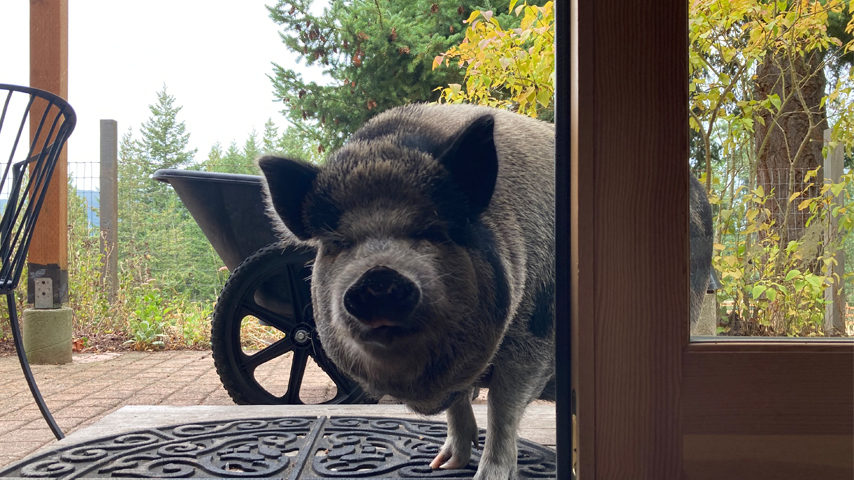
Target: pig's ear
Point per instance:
(473, 163)
(288, 183)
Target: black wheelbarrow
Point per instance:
(269, 285)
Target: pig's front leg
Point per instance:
(510, 391)
(462, 433)
(498, 461)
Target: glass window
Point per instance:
(771, 112)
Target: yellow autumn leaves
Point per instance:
(506, 68)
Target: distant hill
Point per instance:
(93, 200)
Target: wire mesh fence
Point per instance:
(84, 184)
(158, 240)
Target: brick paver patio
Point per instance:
(81, 393)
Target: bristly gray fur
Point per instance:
(702, 246)
(486, 317)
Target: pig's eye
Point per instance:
(337, 245)
(434, 234)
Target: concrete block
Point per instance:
(47, 335)
(708, 322)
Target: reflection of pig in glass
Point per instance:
(434, 275)
(701, 246)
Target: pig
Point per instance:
(434, 275)
(701, 246)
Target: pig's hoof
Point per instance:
(493, 471)
(455, 453)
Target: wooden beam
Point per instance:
(582, 245)
(762, 389)
(49, 71)
(760, 410)
(629, 235)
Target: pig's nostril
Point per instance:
(381, 295)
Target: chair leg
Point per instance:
(25, 366)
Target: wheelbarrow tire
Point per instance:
(238, 300)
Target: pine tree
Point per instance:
(288, 144)
(164, 138)
(214, 157)
(268, 141)
(293, 144)
(163, 144)
(233, 161)
(132, 170)
(378, 55)
(133, 185)
(251, 150)
(152, 237)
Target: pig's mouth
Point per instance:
(380, 322)
(383, 334)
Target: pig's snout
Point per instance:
(382, 297)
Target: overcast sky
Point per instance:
(213, 55)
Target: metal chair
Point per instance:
(24, 183)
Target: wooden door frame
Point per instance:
(652, 405)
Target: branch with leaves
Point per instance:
(510, 68)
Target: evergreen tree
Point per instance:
(251, 150)
(377, 55)
(216, 152)
(132, 170)
(289, 143)
(164, 138)
(233, 161)
(157, 237)
(214, 158)
(268, 141)
(293, 144)
(133, 186)
(163, 144)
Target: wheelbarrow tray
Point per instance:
(230, 210)
(228, 207)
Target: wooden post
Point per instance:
(48, 253)
(629, 243)
(108, 207)
(834, 312)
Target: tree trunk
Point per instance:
(790, 142)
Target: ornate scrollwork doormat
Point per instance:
(284, 447)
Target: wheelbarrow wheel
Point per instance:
(271, 286)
